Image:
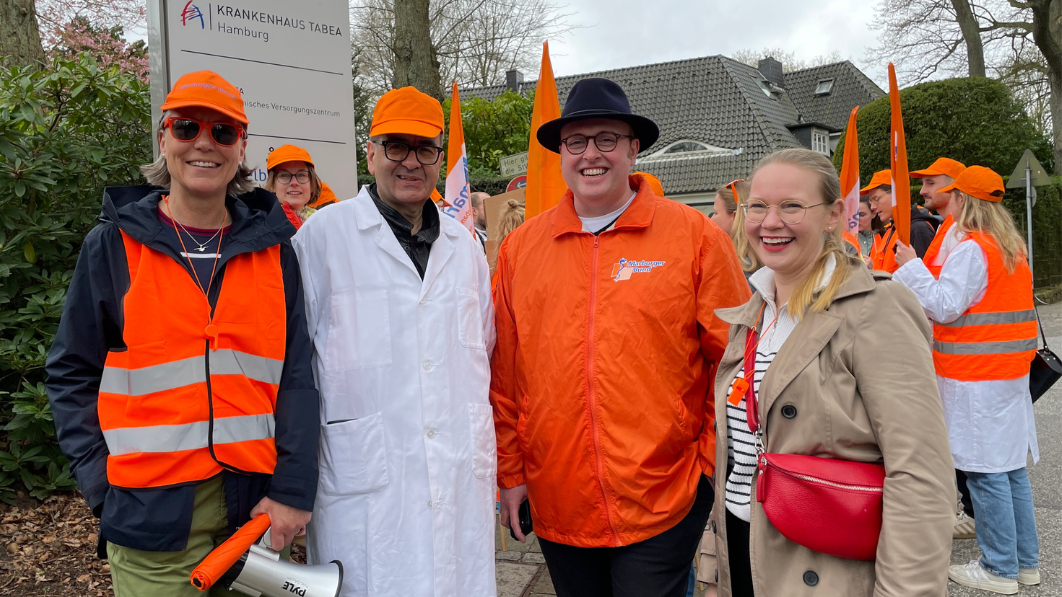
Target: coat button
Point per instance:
(713, 526)
(789, 411)
(810, 578)
(423, 302)
(431, 434)
(427, 365)
(429, 505)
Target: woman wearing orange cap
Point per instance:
(984, 339)
(180, 377)
(293, 179)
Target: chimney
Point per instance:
(771, 70)
(513, 78)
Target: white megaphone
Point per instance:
(253, 569)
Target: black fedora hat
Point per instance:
(597, 98)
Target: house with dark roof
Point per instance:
(718, 116)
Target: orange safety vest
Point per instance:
(994, 339)
(882, 253)
(193, 394)
(852, 240)
(934, 247)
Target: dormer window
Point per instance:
(764, 87)
(686, 146)
(825, 87)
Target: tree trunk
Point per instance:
(1047, 33)
(971, 34)
(415, 60)
(20, 40)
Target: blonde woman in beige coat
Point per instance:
(846, 371)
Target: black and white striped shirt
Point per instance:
(740, 443)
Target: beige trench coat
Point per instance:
(860, 376)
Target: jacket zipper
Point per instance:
(592, 395)
(819, 481)
(215, 292)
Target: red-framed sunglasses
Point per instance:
(184, 129)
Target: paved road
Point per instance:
(522, 573)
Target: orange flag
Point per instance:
(850, 182)
(545, 185)
(901, 181)
(210, 570)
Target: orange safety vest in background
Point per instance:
(192, 395)
(934, 247)
(883, 251)
(994, 339)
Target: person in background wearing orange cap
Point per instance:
(180, 376)
(293, 179)
(939, 175)
(326, 198)
(923, 224)
(399, 311)
(984, 339)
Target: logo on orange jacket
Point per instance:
(625, 268)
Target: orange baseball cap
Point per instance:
(206, 89)
(407, 111)
(654, 183)
(882, 178)
(285, 154)
(980, 182)
(327, 196)
(943, 166)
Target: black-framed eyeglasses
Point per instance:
(604, 142)
(791, 212)
(398, 151)
(284, 177)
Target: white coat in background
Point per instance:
(408, 462)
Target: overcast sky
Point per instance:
(620, 33)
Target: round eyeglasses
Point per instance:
(284, 177)
(790, 212)
(604, 142)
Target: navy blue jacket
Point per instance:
(91, 326)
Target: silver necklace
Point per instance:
(202, 246)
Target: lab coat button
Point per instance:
(429, 503)
(427, 365)
(431, 434)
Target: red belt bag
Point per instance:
(827, 505)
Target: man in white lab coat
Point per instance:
(399, 311)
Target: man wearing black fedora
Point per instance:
(602, 372)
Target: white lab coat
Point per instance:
(991, 426)
(408, 459)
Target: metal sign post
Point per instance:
(1029, 174)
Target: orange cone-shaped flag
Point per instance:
(228, 553)
(545, 185)
(901, 181)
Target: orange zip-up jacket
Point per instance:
(602, 373)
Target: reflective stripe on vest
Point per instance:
(934, 248)
(190, 436)
(194, 393)
(176, 374)
(995, 338)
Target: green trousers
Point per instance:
(136, 573)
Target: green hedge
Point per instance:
(975, 121)
(66, 131)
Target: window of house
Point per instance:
(764, 87)
(684, 146)
(820, 142)
(825, 86)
